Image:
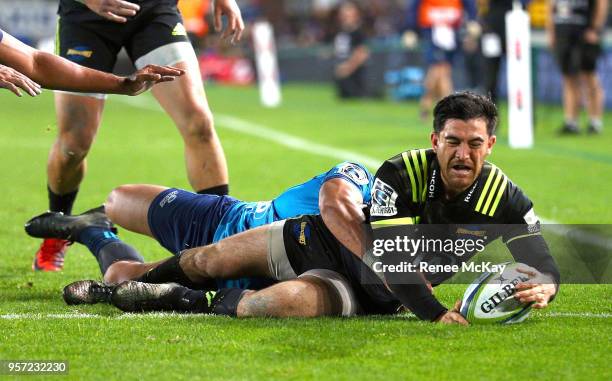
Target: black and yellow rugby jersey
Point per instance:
(408, 189)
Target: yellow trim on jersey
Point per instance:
(57, 37)
(486, 187)
(417, 168)
(417, 172)
(492, 192)
(522, 236)
(411, 175)
(499, 195)
(397, 221)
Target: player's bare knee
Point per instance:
(199, 128)
(73, 151)
(111, 205)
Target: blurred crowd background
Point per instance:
(305, 33)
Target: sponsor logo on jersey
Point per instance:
(383, 199)
(470, 193)
(79, 53)
(355, 173)
(168, 199)
(477, 233)
(304, 233)
(179, 30)
(431, 188)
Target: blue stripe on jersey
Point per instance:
(295, 201)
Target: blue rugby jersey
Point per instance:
(295, 201)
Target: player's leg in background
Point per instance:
(445, 81)
(571, 102)
(491, 73)
(594, 101)
(593, 91)
(185, 101)
(78, 119)
(568, 58)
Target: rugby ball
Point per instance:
(489, 299)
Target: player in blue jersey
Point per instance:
(180, 220)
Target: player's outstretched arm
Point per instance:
(57, 73)
(341, 206)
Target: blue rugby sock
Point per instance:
(96, 238)
(107, 247)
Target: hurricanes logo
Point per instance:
(179, 30)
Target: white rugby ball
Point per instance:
(489, 299)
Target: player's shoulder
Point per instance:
(498, 197)
(414, 161)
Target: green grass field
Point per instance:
(569, 180)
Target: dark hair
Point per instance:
(465, 105)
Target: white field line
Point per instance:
(257, 130)
(305, 145)
(146, 316)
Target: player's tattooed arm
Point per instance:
(113, 10)
(341, 206)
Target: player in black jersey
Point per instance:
(451, 185)
(91, 33)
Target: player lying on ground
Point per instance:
(179, 220)
(30, 69)
(450, 184)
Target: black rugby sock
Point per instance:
(184, 299)
(220, 190)
(169, 271)
(61, 203)
(226, 301)
(117, 251)
(107, 248)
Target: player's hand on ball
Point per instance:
(148, 76)
(453, 316)
(235, 24)
(113, 10)
(13, 80)
(539, 289)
